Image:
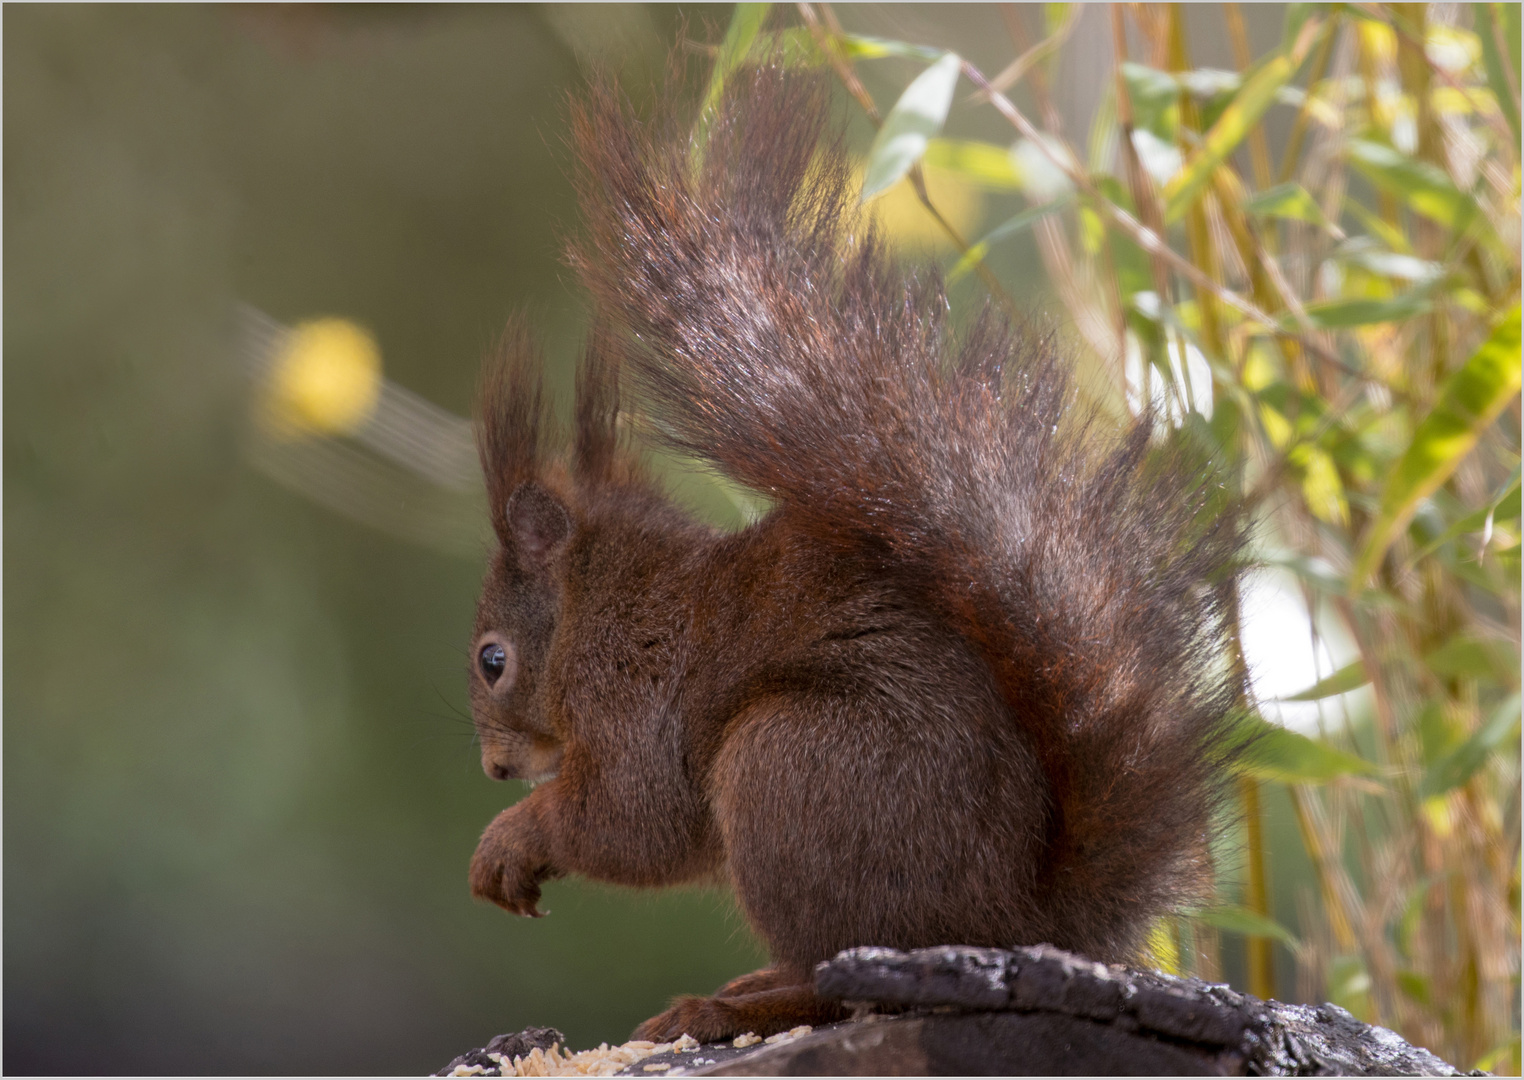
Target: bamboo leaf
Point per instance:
(1347, 678)
(745, 25)
(1348, 984)
(986, 164)
(1508, 16)
(1289, 201)
(1237, 919)
(1322, 490)
(797, 47)
(1208, 83)
(864, 47)
(1237, 120)
(915, 118)
(1503, 507)
(1361, 311)
(1276, 753)
(1458, 766)
(1009, 227)
(1415, 985)
(1492, 59)
(1425, 187)
(1468, 657)
(1041, 177)
(1152, 94)
(1437, 734)
(1390, 235)
(1468, 403)
(1316, 572)
(1390, 264)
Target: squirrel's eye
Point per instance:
(492, 660)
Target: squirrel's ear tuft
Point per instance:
(539, 524)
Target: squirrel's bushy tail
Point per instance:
(778, 339)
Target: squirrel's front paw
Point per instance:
(512, 889)
(501, 872)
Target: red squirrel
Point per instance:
(966, 683)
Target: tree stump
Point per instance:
(1038, 1011)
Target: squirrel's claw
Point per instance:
(517, 898)
(514, 888)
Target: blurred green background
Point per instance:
(240, 784)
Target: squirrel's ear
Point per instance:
(538, 522)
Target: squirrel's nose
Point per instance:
(497, 771)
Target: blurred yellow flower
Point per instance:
(326, 380)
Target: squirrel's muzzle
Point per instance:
(521, 757)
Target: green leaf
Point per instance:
(1152, 94)
(1237, 919)
(1414, 984)
(1503, 507)
(1508, 16)
(1042, 178)
(1347, 678)
(795, 47)
(1464, 657)
(1488, 30)
(1499, 1060)
(1009, 227)
(1348, 984)
(1389, 263)
(1508, 561)
(864, 47)
(1389, 235)
(1208, 83)
(1237, 120)
(1425, 187)
(745, 24)
(1322, 490)
(1289, 201)
(1338, 314)
(1458, 766)
(1277, 753)
(1319, 573)
(1469, 401)
(1412, 912)
(986, 164)
(1436, 731)
(1100, 147)
(915, 118)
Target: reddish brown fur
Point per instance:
(964, 685)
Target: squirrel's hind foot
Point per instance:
(763, 1012)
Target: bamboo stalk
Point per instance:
(1259, 149)
(1299, 125)
(1261, 949)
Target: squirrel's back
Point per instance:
(778, 339)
